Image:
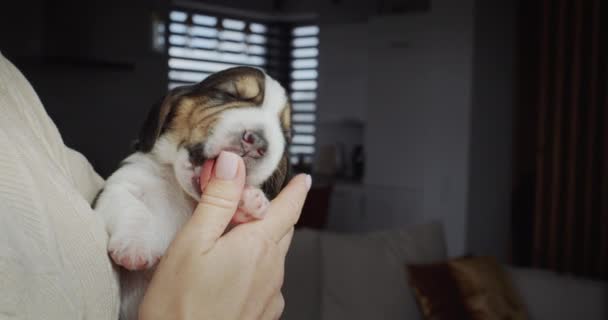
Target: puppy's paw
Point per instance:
(241, 217)
(131, 252)
(253, 203)
(133, 262)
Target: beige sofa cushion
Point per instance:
(302, 286)
(549, 295)
(363, 275)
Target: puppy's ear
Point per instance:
(278, 180)
(158, 119)
(286, 123)
(240, 83)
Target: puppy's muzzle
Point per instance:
(248, 144)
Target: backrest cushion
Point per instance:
(549, 295)
(302, 285)
(362, 275)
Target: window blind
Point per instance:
(303, 87)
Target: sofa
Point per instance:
(363, 276)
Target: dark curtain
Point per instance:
(560, 177)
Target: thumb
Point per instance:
(220, 198)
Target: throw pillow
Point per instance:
(465, 288)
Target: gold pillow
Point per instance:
(465, 288)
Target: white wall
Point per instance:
(446, 164)
(343, 64)
(332, 12)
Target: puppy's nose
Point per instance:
(254, 143)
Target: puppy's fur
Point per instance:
(147, 200)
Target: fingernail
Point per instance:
(308, 181)
(226, 165)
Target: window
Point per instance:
(201, 43)
(303, 87)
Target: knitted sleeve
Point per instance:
(53, 257)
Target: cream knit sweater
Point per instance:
(53, 261)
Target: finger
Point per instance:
(284, 211)
(275, 308)
(220, 198)
(285, 243)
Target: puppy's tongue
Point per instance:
(205, 176)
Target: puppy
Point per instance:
(154, 192)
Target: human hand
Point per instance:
(238, 275)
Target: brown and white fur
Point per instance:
(147, 200)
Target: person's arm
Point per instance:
(238, 275)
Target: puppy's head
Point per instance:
(241, 110)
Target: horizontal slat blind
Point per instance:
(303, 85)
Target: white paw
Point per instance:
(254, 202)
(132, 251)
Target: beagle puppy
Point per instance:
(154, 191)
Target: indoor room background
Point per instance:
(405, 111)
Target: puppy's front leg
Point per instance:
(253, 205)
(135, 241)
